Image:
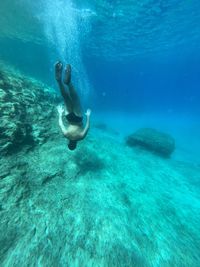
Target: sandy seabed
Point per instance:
(103, 205)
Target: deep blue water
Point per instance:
(166, 84)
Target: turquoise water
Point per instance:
(107, 203)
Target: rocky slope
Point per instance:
(27, 109)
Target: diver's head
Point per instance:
(72, 145)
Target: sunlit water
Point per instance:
(64, 28)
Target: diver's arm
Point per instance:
(87, 126)
(62, 127)
(60, 121)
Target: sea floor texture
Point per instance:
(103, 205)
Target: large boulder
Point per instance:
(27, 108)
(152, 140)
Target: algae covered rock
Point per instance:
(26, 110)
(152, 140)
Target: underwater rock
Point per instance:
(26, 108)
(101, 126)
(152, 140)
(105, 128)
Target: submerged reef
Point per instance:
(150, 139)
(26, 110)
(102, 205)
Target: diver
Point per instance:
(76, 130)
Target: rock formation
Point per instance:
(152, 140)
(26, 110)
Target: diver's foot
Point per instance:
(58, 70)
(67, 75)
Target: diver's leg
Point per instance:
(64, 93)
(66, 97)
(76, 104)
(77, 109)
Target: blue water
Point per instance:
(135, 64)
(137, 56)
